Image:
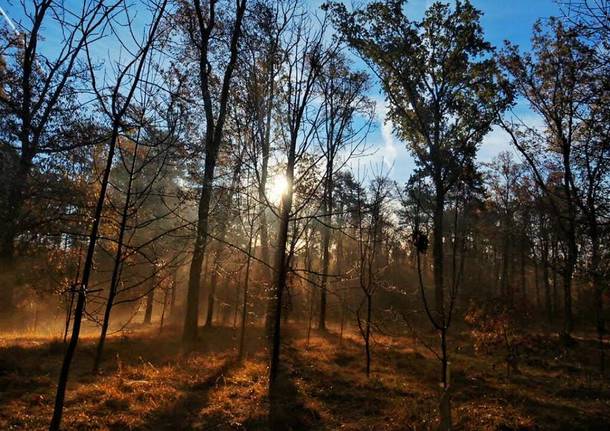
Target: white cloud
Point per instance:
(498, 140)
(389, 151)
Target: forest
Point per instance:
(204, 224)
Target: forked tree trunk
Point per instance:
(118, 261)
(82, 291)
(213, 140)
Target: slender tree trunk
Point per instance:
(236, 302)
(209, 320)
(82, 291)
(367, 336)
(537, 283)
(568, 322)
(281, 267)
(437, 252)
(598, 289)
(548, 300)
(244, 307)
(339, 270)
(444, 358)
(311, 301)
(572, 254)
(165, 301)
(522, 273)
(150, 300)
(172, 307)
(191, 318)
(310, 316)
(218, 256)
(280, 283)
(555, 264)
(117, 264)
(506, 257)
(69, 309)
(265, 255)
(213, 140)
(88, 265)
(445, 403)
(326, 208)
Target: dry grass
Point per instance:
(147, 384)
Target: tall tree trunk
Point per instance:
(150, 300)
(507, 291)
(244, 308)
(367, 335)
(118, 260)
(209, 320)
(308, 266)
(281, 264)
(327, 209)
(555, 263)
(340, 283)
(82, 291)
(572, 252)
(280, 284)
(191, 317)
(265, 255)
(213, 140)
(522, 273)
(172, 302)
(598, 288)
(537, 283)
(548, 300)
(163, 309)
(437, 252)
(568, 321)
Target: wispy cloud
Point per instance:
(9, 20)
(388, 151)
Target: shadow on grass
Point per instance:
(287, 409)
(183, 414)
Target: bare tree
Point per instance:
(304, 59)
(369, 219)
(201, 34)
(129, 78)
(343, 99)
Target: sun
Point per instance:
(277, 188)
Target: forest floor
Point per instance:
(147, 384)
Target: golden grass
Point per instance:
(147, 384)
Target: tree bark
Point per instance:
(82, 291)
(213, 140)
(326, 208)
(437, 252)
(150, 300)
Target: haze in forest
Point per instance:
(286, 215)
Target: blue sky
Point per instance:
(502, 20)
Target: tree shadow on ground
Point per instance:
(183, 414)
(287, 409)
(335, 382)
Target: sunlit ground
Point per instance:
(147, 384)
